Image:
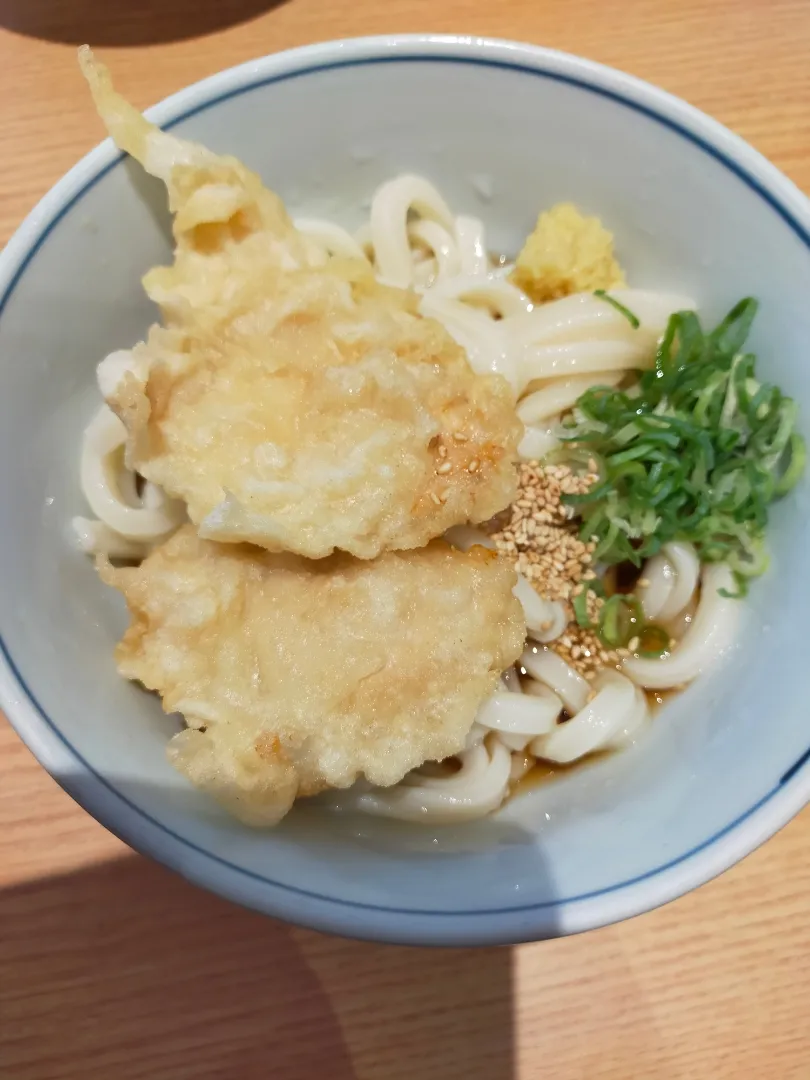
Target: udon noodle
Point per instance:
(550, 354)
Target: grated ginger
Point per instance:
(567, 253)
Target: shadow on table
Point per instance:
(126, 22)
(126, 970)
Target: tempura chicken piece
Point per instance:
(566, 253)
(288, 398)
(296, 676)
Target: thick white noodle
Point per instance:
(678, 626)
(579, 336)
(584, 316)
(478, 788)
(465, 537)
(102, 470)
(584, 335)
(472, 245)
(443, 246)
(334, 239)
(516, 743)
(602, 719)
(565, 358)
(658, 576)
(504, 270)
(362, 237)
(96, 538)
(551, 703)
(536, 443)
(152, 496)
(519, 714)
(549, 668)
(710, 635)
(127, 483)
(478, 334)
(511, 680)
(669, 582)
(390, 207)
(522, 763)
(112, 369)
(545, 619)
(686, 564)
(559, 395)
(535, 688)
(637, 721)
(475, 736)
(424, 272)
(485, 291)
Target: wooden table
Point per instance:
(112, 968)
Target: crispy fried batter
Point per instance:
(296, 676)
(300, 407)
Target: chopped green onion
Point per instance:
(795, 466)
(695, 451)
(742, 589)
(597, 588)
(620, 619)
(751, 561)
(634, 320)
(731, 334)
(580, 605)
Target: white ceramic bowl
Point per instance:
(503, 130)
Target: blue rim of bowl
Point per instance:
(712, 151)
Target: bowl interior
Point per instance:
(501, 141)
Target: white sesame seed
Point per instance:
(540, 541)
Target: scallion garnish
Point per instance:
(580, 606)
(696, 451)
(614, 303)
(620, 620)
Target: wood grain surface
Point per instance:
(111, 967)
